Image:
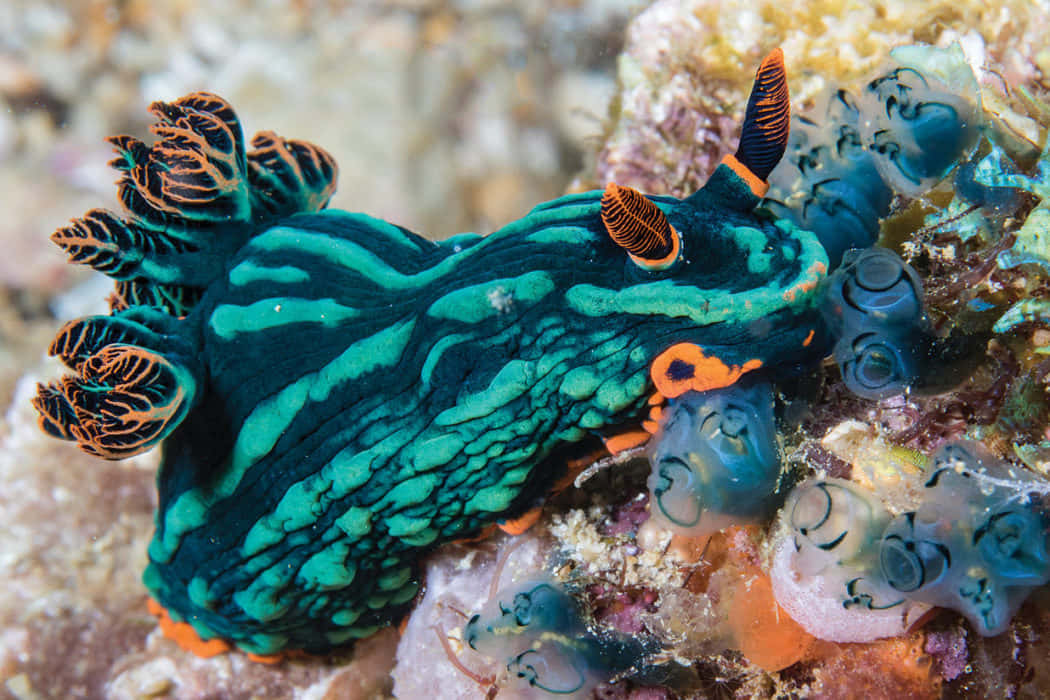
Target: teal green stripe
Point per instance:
(513, 380)
(230, 320)
(589, 198)
(356, 258)
(461, 241)
(164, 274)
(270, 419)
(569, 216)
(410, 242)
(706, 306)
(572, 235)
(437, 349)
(249, 271)
(265, 425)
(754, 241)
(329, 569)
(480, 301)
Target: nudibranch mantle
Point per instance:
(335, 394)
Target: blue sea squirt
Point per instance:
(906, 130)
(977, 542)
(716, 461)
(538, 633)
(335, 395)
(716, 458)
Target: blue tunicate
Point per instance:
(873, 307)
(836, 527)
(537, 630)
(716, 461)
(909, 559)
(976, 544)
(511, 628)
(827, 181)
(876, 366)
(921, 131)
(837, 517)
(1012, 540)
(903, 134)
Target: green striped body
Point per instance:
(370, 394)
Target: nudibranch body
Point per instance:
(336, 395)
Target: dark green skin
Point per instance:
(336, 395)
(409, 393)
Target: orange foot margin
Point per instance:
(183, 634)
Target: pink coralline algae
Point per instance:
(948, 649)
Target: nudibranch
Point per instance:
(335, 395)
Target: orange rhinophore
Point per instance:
(639, 227)
(767, 121)
(772, 101)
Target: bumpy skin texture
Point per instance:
(336, 395)
(412, 398)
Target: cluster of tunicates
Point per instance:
(538, 631)
(883, 343)
(977, 543)
(716, 461)
(902, 135)
(873, 307)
